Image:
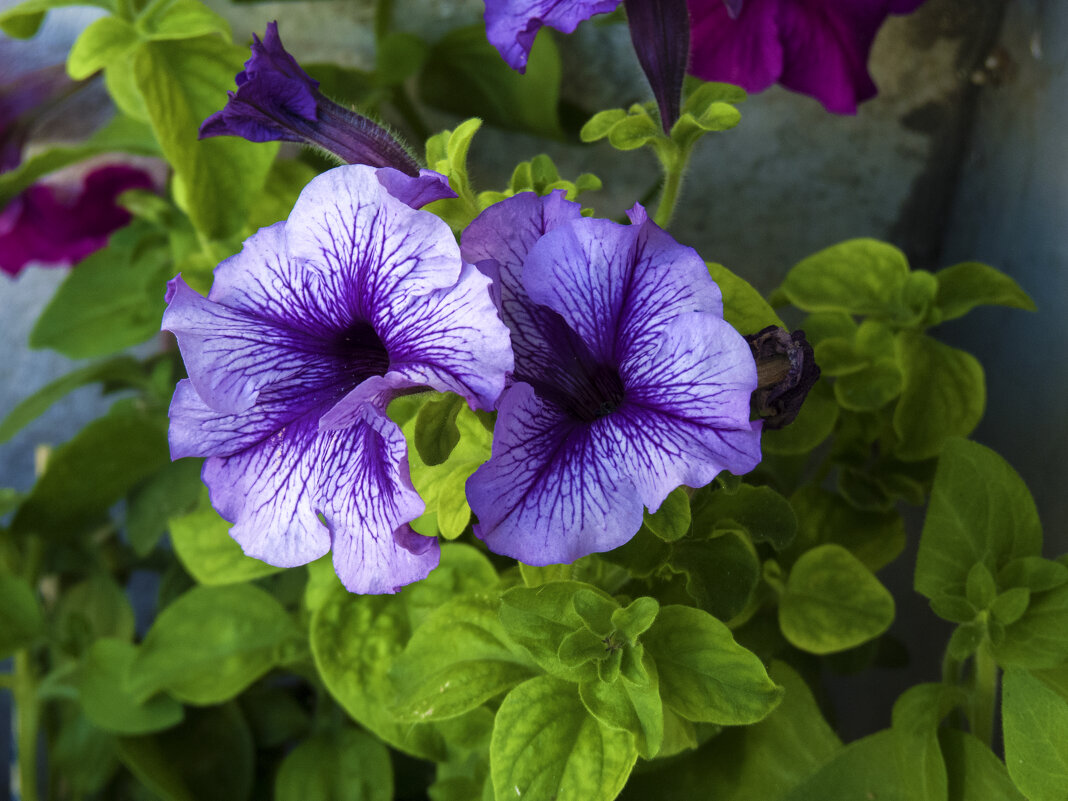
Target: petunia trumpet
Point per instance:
(627, 384)
(306, 335)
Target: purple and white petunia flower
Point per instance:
(815, 47)
(306, 335)
(627, 384)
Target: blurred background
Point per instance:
(961, 157)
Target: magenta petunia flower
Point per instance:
(815, 47)
(306, 335)
(61, 225)
(627, 384)
(276, 100)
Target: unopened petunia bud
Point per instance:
(276, 100)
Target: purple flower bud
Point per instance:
(277, 101)
(786, 371)
(660, 31)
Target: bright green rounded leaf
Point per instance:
(436, 433)
(813, 424)
(105, 40)
(181, 19)
(211, 643)
(761, 511)
(859, 771)
(1037, 640)
(721, 573)
(980, 511)
(743, 307)
(1035, 723)
(456, 660)
(962, 287)
(875, 538)
(979, 586)
(633, 707)
(94, 608)
(344, 765)
(975, 773)
(704, 674)
(547, 747)
(944, 396)
(860, 276)
(833, 602)
(20, 614)
(205, 548)
(1010, 605)
(1034, 573)
(600, 124)
(633, 132)
(105, 699)
(672, 520)
(870, 388)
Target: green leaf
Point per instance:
(743, 307)
(875, 538)
(762, 512)
(966, 640)
(944, 396)
(211, 643)
(916, 717)
(546, 746)
(20, 615)
(355, 640)
(1034, 573)
(208, 757)
(813, 424)
(869, 389)
(171, 491)
(860, 276)
(113, 300)
(83, 755)
(704, 674)
(180, 19)
(980, 511)
(107, 702)
(183, 82)
(633, 131)
(91, 609)
(85, 476)
(104, 41)
(962, 287)
(672, 520)
(123, 370)
(436, 433)
(1037, 639)
(721, 573)
(540, 618)
(974, 772)
(464, 74)
(1010, 605)
(629, 706)
(456, 660)
(833, 602)
(1035, 721)
(205, 548)
(861, 771)
(748, 763)
(953, 608)
(344, 765)
(22, 21)
(979, 586)
(600, 124)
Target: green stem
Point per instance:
(984, 694)
(27, 719)
(674, 163)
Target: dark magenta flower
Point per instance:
(815, 47)
(627, 384)
(306, 335)
(277, 101)
(60, 225)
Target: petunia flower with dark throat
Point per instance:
(627, 384)
(306, 335)
(815, 47)
(276, 100)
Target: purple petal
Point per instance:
(356, 478)
(618, 286)
(660, 32)
(746, 51)
(734, 7)
(498, 241)
(511, 25)
(552, 491)
(427, 187)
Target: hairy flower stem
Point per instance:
(983, 700)
(673, 161)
